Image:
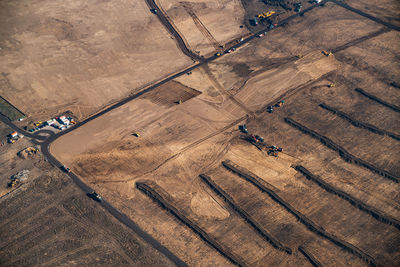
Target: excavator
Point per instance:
(265, 14)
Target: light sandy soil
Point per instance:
(81, 55)
(48, 220)
(386, 10)
(215, 23)
(180, 141)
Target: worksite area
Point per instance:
(281, 147)
(47, 220)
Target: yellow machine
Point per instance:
(14, 183)
(328, 54)
(331, 85)
(266, 14)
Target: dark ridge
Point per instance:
(341, 151)
(310, 257)
(255, 180)
(377, 20)
(224, 251)
(358, 123)
(269, 237)
(353, 201)
(395, 85)
(376, 99)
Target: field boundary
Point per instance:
(255, 180)
(377, 99)
(341, 151)
(247, 217)
(151, 191)
(353, 201)
(309, 257)
(358, 123)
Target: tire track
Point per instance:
(155, 192)
(352, 200)
(206, 33)
(247, 217)
(359, 40)
(376, 99)
(366, 15)
(222, 90)
(360, 124)
(258, 182)
(343, 153)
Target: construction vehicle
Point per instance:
(136, 134)
(253, 21)
(280, 103)
(297, 7)
(95, 196)
(265, 14)
(65, 169)
(273, 150)
(38, 123)
(331, 85)
(218, 54)
(243, 128)
(259, 138)
(328, 54)
(14, 182)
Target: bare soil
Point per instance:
(81, 56)
(47, 220)
(177, 143)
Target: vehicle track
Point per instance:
(366, 15)
(206, 33)
(310, 257)
(222, 90)
(343, 153)
(359, 40)
(380, 216)
(247, 217)
(376, 99)
(166, 204)
(358, 123)
(167, 24)
(256, 181)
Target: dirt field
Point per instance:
(80, 55)
(206, 25)
(48, 221)
(266, 212)
(387, 10)
(179, 142)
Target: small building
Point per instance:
(14, 135)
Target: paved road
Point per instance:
(181, 43)
(45, 137)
